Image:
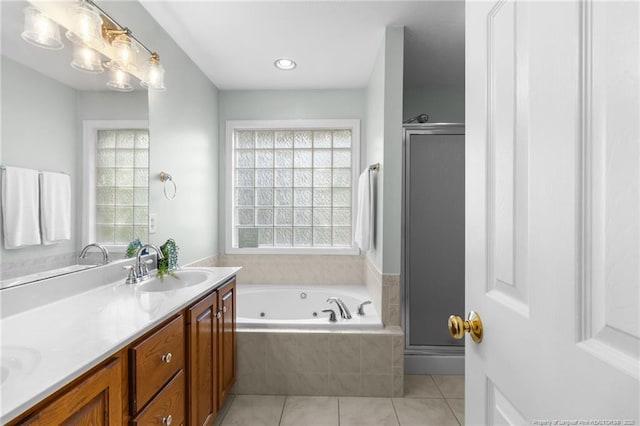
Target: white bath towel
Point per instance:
(20, 211)
(55, 207)
(364, 212)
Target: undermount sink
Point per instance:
(17, 362)
(179, 280)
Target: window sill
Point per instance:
(308, 251)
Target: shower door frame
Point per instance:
(423, 358)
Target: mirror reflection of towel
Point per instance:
(55, 207)
(20, 207)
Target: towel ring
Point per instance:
(164, 178)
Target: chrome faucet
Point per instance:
(103, 249)
(361, 306)
(139, 272)
(344, 311)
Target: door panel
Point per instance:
(552, 211)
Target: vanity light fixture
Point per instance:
(95, 34)
(285, 64)
(86, 59)
(153, 73)
(119, 80)
(86, 25)
(40, 30)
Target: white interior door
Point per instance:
(552, 211)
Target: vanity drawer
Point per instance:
(154, 361)
(168, 407)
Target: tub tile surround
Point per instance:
(310, 270)
(354, 363)
(296, 269)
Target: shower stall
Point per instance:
(432, 278)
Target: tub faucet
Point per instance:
(103, 249)
(361, 306)
(344, 311)
(139, 272)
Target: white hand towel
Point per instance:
(20, 207)
(364, 212)
(55, 207)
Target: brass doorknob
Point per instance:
(473, 326)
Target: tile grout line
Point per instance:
(284, 404)
(338, 398)
(393, 404)
(452, 412)
(437, 385)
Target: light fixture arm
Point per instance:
(120, 29)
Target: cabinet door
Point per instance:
(202, 343)
(227, 340)
(95, 401)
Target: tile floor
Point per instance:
(428, 400)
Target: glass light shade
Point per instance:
(86, 27)
(126, 52)
(153, 74)
(119, 80)
(40, 30)
(86, 59)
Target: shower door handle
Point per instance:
(473, 326)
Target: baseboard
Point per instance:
(433, 364)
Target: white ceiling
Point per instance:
(335, 43)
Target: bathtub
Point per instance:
(296, 306)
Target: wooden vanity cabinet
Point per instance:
(202, 339)
(179, 373)
(227, 340)
(212, 353)
(94, 400)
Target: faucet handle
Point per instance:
(332, 315)
(131, 279)
(361, 306)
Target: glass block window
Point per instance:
(122, 186)
(293, 187)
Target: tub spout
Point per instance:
(344, 311)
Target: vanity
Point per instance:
(89, 349)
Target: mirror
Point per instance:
(44, 105)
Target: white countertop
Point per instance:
(46, 347)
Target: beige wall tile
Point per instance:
(375, 353)
(398, 382)
(281, 383)
(344, 384)
(252, 383)
(251, 349)
(377, 385)
(398, 351)
(344, 356)
(282, 355)
(314, 353)
(296, 269)
(313, 384)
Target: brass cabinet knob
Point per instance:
(167, 358)
(473, 326)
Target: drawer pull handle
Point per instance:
(219, 314)
(224, 309)
(167, 358)
(167, 420)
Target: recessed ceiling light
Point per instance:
(285, 64)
